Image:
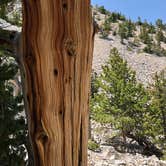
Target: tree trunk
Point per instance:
(57, 56)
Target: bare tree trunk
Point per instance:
(57, 56)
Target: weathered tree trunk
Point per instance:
(57, 55)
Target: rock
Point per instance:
(7, 26)
(110, 157)
(120, 163)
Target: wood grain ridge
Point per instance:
(57, 55)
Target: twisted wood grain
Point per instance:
(57, 55)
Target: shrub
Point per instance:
(92, 145)
(120, 99)
(102, 10)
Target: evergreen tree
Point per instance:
(12, 123)
(151, 29)
(3, 11)
(13, 132)
(130, 27)
(159, 102)
(120, 99)
(144, 36)
(122, 32)
(102, 10)
(159, 24)
(139, 22)
(159, 36)
(126, 30)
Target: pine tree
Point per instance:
(159, 24)
(3, 11)
(144, 36)
(159, 102)
(126, 30)
(122, 32)
(139, 22)
(12, 122)
(102, 10)
(120, 99)
(13, 132)
(159, 36)
(106, 27)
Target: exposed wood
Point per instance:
(57, 55)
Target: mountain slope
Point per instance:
(132, 49)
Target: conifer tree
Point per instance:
(144, 36)
(13, 129)
(159, 24)
(122, 32)
(120, 99)
(159, 102)
(12, 122)
(159, 36)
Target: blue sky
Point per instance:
(146, 9)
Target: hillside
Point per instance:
(145, 64)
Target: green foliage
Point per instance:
(106, 27)
(148, 49)
(126, 30)
(102, 10)
(155, 49)
(92, 145)
(144, 36)
(151, 28)
(132, 109)
(12, 124)
(160, 36)
(3, 11)
(114, 17)
(94, 87)
(104, 34)
(122, 32)
(139, 22)
(159, 103)
(4, 2)
(160, 25)
(120, 99)
(16, 19)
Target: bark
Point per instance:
(57, 57)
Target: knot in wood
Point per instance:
(42, 137)
(55, 72)
(65, 5)
(70, 47)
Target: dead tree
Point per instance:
(57, 57)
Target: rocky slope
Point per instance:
(145, 65)
(113, 152)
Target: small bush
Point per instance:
(92, 145)
(102, 10)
